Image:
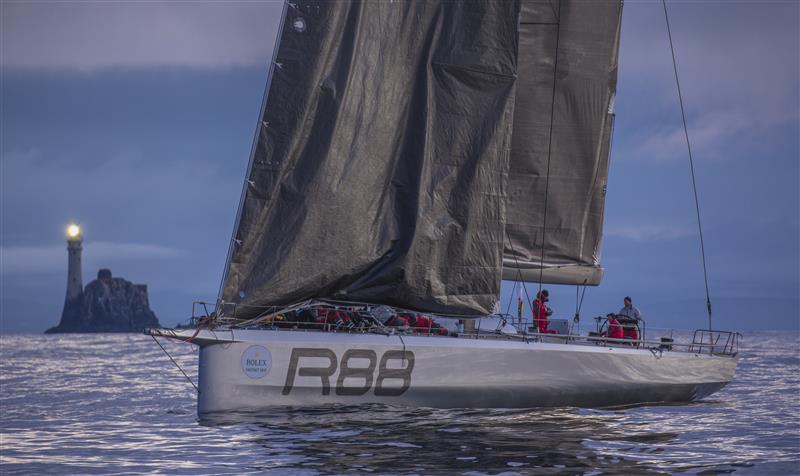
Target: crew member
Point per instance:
(422, 324)
(541, 311)
(401, 321)
(614, 330)
(629, 310)
(629, 316)
(333, 317)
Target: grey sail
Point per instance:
(580, 40)
(379, 172)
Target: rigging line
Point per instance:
(403, 360)
(511, 298)
(691, 163)
(579, 302)
(176, 364)
(549, 147)
(522, 283)
(578, 305)
(519, 272)
(577, 299)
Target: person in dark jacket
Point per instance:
(629, 317)
(629, 310)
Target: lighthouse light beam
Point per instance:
(73, 231)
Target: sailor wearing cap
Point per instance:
(629, 317)
(629, 310)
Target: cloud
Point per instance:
(738, 68)
(650, 232)
(707, 136)
(156, 219)
(52, 259)
(130, 197)
(88, 36)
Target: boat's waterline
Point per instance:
(252, 369)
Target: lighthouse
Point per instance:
(74, 298)
(106, 304)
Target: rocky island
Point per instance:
(107, 304)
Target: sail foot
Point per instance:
(553, 274)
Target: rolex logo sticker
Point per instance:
(256, 361)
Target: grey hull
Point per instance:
(295, 368)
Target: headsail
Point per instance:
(380, 170)
(580, 39)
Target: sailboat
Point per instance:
(409, 157)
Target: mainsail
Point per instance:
(379, 173)
(567, 62)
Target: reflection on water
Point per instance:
(114, 403)
(379, 438)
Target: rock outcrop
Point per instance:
(107, 304)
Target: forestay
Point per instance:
(380, 169)
(580, 40)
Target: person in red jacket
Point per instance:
(541, 311)
(614, 330)
(631, 332)
(401, 321)
(422, 324)
(333, 317)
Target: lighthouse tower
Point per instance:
(74, 298)
(106, 304)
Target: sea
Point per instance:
(116, 404)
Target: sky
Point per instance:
(135, 120)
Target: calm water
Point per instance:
(115, 404)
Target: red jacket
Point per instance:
(614, 329)
(540, 313)
(331, 316)
(422, 323)
(631, 332)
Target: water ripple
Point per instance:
(105, 403)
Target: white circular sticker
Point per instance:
(256, 361)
